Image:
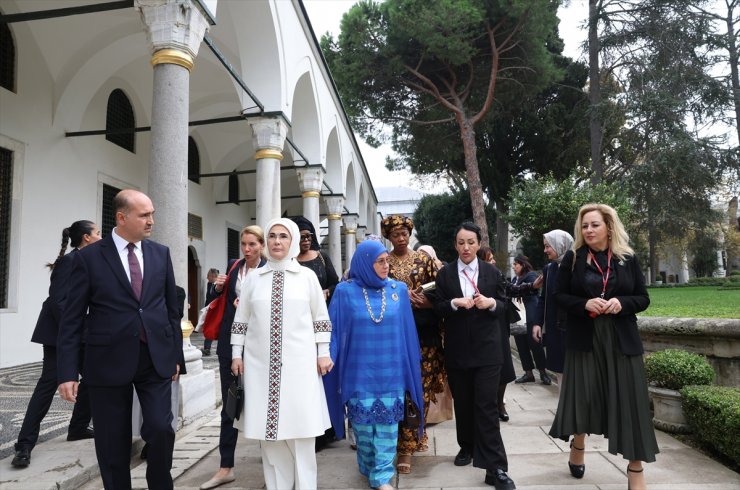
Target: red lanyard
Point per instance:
(475, 288)
(604, 278)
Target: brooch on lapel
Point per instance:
(621, 262)
(394, 297)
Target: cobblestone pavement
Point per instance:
(16, 386)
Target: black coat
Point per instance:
(47, 326)
(472, 337)
(628, 287)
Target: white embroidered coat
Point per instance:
(281, 317)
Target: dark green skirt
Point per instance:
(605, 392)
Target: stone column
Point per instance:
(335, 205)
(175, 29)
(269, 137)
(350, 237)
(361, 232)
(310, 180)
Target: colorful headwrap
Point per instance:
(393, 221)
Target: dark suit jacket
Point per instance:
(629, 288)
(223, 349)
(47, 326)
(472, 337)
(101, 300)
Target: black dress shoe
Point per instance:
(577, 470)
(22, 458)
(503, 415)
(545, 378)
(463, 457)
(499, 479)
(525, 378)
(144, 451)
(87, 433)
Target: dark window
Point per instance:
(109, 216)
(195, 226)
(193, 161)
(232, 244)
(6, 186)
(7, 58)
(119, 116)
(234, 188)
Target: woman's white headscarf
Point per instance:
(560, 241)
(294, 248)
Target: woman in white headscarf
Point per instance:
(280, 342)
(548, 318)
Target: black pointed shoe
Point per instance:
(499, 479)
(545, 378)
(463, 458)
(577, 470)
(525, 378)
(22, 458)
(86, 433)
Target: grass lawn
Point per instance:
(694, 302)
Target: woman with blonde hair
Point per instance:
(252, 242)
(601, 287)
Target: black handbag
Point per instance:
(235, 399)
(411, 415)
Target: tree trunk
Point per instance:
(502, 237)
(652, 246)
(595, 124)
(734, 60)
(467, 133)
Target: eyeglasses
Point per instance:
(382, 262)
(306, 238)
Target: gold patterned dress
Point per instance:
(415, 269)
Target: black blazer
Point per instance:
(472, 337)
(47, 326)
(571, 295)
(101, 300)
(223, 348)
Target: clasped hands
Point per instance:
(600, 306)
(419, 299)
(477, 301)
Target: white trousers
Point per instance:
(290, 463)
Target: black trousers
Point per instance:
(528, 349)
(41, 400)
(228, 435)
(475, 395)
(111, 408)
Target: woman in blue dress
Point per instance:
(376, 352)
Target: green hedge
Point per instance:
(673, 369)
(733, 280)
(714, 414)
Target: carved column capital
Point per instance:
(175, 29)
(269, 134)
(310, 180)
(335, 206)
(350, 223)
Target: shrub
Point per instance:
(714, 414)
(673, 369)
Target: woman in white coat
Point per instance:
(280, 342)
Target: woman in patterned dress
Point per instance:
(282, 329)
(416, 269)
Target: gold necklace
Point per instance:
(369, 308)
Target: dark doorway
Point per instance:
(193, 292)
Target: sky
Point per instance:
(326, 15)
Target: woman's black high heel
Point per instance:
(630, 470)
(577, 470)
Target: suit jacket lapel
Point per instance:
(147, 269)
(110, 254)
(454, 278)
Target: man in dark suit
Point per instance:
(470, 296)
(122, 298)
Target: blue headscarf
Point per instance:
(361, 268)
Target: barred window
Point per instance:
(119, 116)
(108, 220)
(234, 188)
(6, 187)
(195, 226)
(7, 58)
(232, 244)
(193, 161)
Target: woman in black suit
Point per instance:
(79, 235)
(252, 240)
(601, 288)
